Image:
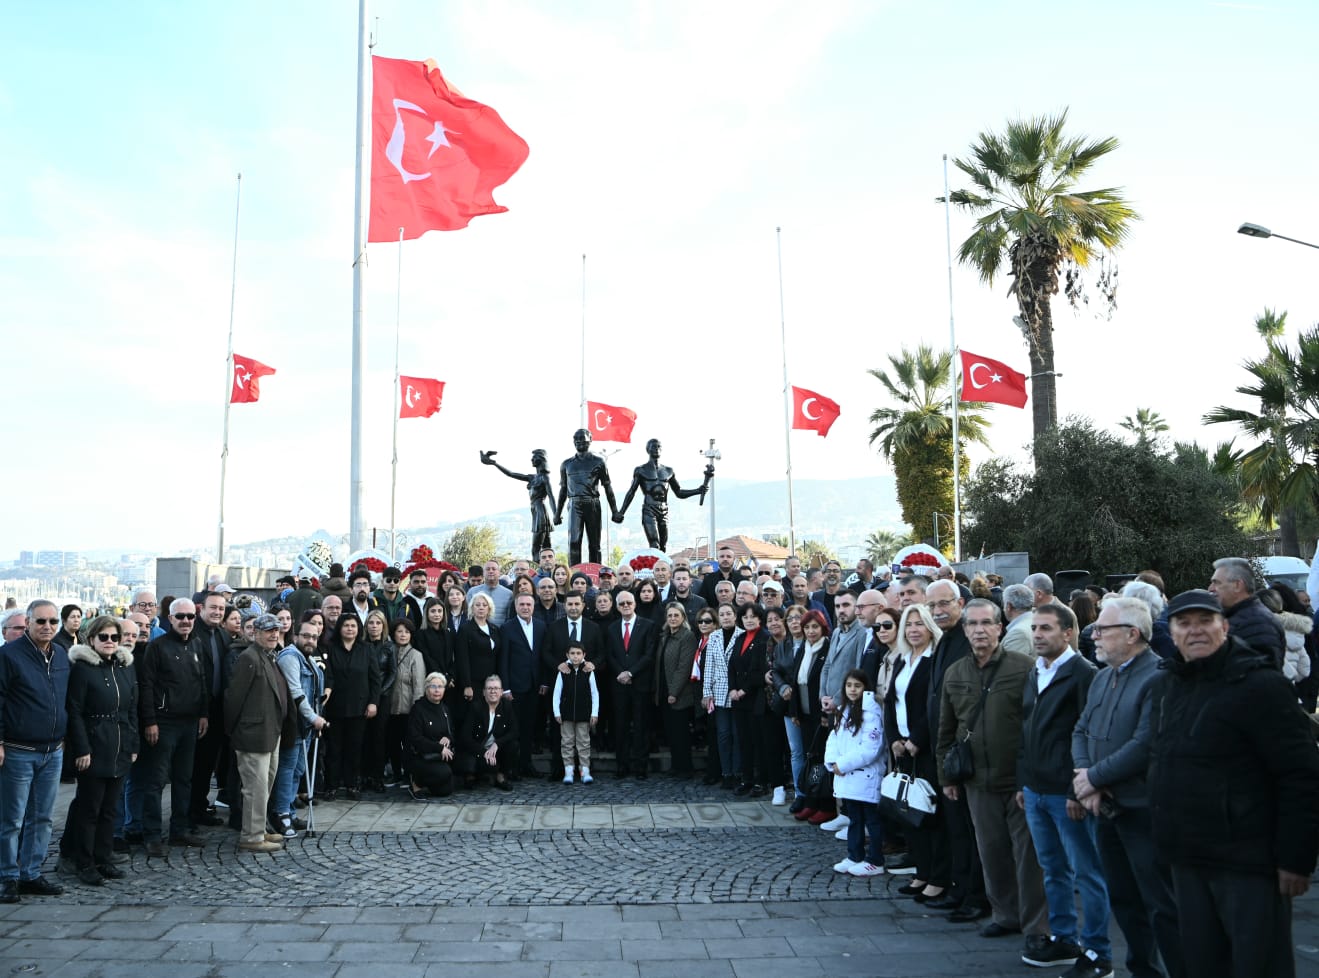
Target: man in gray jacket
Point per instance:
(1110, 749)
(845, 647)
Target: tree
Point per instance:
(915, 435)
(1094, 501)
(1032, 217)
(1146, 425)
(1280, 474)
(813, 553)
(883, 544)
(469, 545)
(778, 539)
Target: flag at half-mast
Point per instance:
(813, 412)
(436, 155)
(419, 397)
(245, 386)
(606, 422)
(993, 381)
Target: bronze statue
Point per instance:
(540, 490)
(580, 479)
(654, 481)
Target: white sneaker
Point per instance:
(567, 774)
(586, 776)
(834, 824)
(866, 869)
(845, 866)
(841, 835)
(780, 796)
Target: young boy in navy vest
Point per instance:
(576, 703)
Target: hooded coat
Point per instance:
(103, 710)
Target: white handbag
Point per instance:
(906, 797)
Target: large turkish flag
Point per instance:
(608, 423)
(419, 397)
(436, 156)
(813, 412)
(246, 382)
(984, 379)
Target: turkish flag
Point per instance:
(608, 423)
(813, 412)
(421, 396)
(436, 156)
(984, 379)
(247, 380)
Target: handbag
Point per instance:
(906, 798)
(817, 779)
(959, 763)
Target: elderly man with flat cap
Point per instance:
(1234, 795)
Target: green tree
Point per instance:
(1094, 501)
(778, 539)
(1147, 424)
(1033, 219)
(883, 544)
(915, 434)
(1280, 474)
(615, 556)
(470, 545)
(813, 553)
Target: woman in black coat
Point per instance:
(476, 652)
(907, 734)
(801, 688)
(103, 742)
(352, 696)
(435, 640)
(432, 740)
(748, 661)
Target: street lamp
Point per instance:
(936, 526)
(1259, 231)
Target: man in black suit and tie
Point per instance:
(629, 649)
(488, 739)
(573, 628)
(520, 668)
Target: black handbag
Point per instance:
(959, 763)
(817, 779)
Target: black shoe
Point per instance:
(120, 844)
(1090, 965)
(111, 872)
(967, 914)
(947, 901)
(503, 785)
(742, 790)
(207, 819)
(353, 794)
(9, 891)
(134, 839)
(797, 805)
(622, 772)
(642, 775)
(1046, 952)
(758, 791)
(995, 929)
(299, 823)
(729, 783)
(331, 795)
(156, 849)
(711, 779)
(187, 841)
(91, 876)
(40, 887)
(908, 890)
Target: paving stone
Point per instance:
(284, 951)
(464, 931)
(748, 947)
(461, 951)
(367, 951)
(669, 948)
(700, 928)
(396, 970)
(686, 968)
(592, 969)
(650, 913)
(122, 949)
(502, 969)
(542, 930)
(572, 951)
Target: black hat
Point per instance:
(1196, 600)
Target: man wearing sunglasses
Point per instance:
(34, 682)
(174, 695)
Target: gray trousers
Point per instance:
(1013, 880)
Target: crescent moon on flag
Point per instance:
(596, 418)
(394, 148)
(805, 410)
(410, 396)
(971, 374)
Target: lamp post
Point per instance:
(936, 526)
(1259, 231)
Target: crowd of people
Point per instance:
(1151, 756)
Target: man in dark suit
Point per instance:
(572, 628)
(629, 648)
(520, 668)
(488, 739)
(725, 572)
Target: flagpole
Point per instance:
(229, 374)
(787, 395)
(398, 315)
(952, 375)
(361, 198)
(583, 340)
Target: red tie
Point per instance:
(627, 634)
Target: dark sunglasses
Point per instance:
(45, 621)
(107, 637)
(885, 624)
(183, 617)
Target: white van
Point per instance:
(1292, 571)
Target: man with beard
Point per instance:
(211, 755)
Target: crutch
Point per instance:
(311, 784)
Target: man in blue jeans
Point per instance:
(34, 681)
(1061, 828)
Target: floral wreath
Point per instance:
(423, 558)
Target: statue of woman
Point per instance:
(540, 491)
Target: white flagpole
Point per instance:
(787, 395)
(229, 374)
(583, 340)
(952, 376)
(361, 200)
(398, 391)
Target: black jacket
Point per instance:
(428, 723)
(436, 646)
(917, 702)
(1254, 625)
(746, 671)
(639, 656)
(475, 657)
(475, 729)
(1044, 760)
(952, 647)
(102, 711)
(1234, 771)
(173, 680)
(556, 649)
(352, 677)
(809, 707)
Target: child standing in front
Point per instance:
(855, 754)
(576, 702)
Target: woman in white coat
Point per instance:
(855, 755)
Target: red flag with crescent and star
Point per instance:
(436, 156)
(608, 423)
(813, 412)
(984, 379)
(420, 396)
(246, 383)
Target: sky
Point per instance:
(667, 141)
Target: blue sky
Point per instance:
(667, 142)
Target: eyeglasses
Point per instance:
(145, 604)
(435, 686)
(183, 617)
(45, 621)
(307, 635)
(945, 603)
(108, 637)
(705, 621)
(1098, 630)
(885, 625)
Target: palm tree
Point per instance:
(1281, 472)
(1032, 217)
(1147, 425)
(883, 544)
(916, 434)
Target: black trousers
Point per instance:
(208, 758)
(506, 762)
(1233, 925)
(631, 737)
(374, 739)
(1140, 895)
(95, 811)
(396, 733)
(751, 745)
(343, 760)
(954, 854)
(677, 732)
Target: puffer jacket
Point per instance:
(996, 737)
(173, 680)
(1296, 658)
(409, 683)
(102, 711)
(859, 755)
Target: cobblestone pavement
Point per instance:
(738, 889)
